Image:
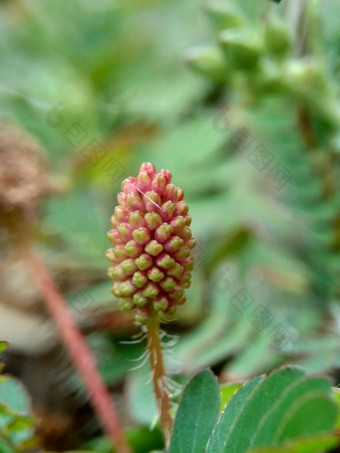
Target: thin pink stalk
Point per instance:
(158, 376)
(81, 355)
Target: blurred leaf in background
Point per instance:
(239, 101)
(16, 420)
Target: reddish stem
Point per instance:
(80, 354)
(158, 376)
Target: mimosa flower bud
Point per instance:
(139, 299)
(163, 232)
(144, 262)
(155, 274)
(191, 243)
(143, 181)
(181, 301)
(125, 304)
(183, 253)
(152, 201)
(136, 219)
(124, 231)
(176, 271)
(139, 279)
(153, 220)
(168, 209)
(170, 193)
(128, 266)
(168, 284)
(188, 264)
(176, 293)
(120, 214)
(159, 183)
(121, 198)
(126, 288)
(141, 235)
(132, 249)
(115, 289)
(167, 175)
(165, 261)
(150, 169)
(116, 273)
(154, 248)
(161, 303)
(178, 223)
(133, 201)
(114, 237)
(181, 208)
(188, 220)
(111, 256)
(119, 252)
(152, 243)
(151, 290)
(173, 244)
(142, 316)
(129, 185)
(186, 233)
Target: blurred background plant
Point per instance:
(248, 122)
(16, 420)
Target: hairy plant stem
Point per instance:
(81, 355)
(158, 376)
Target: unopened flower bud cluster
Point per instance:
(152, 242)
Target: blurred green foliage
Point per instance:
(16, 421)
(239, 100)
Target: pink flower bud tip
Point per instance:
(152, 244)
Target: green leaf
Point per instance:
(21, 423)
(3, 346)
(15, 424)
(230, 415)
(313, 413)
(197, 414)
(5, 447)
(140, 438)
(336, 393)
(281, 422)
(227, 392)
(13, 394)
(272, 412)
(239, 438)
(311, 444)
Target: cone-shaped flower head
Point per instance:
(152, 242)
